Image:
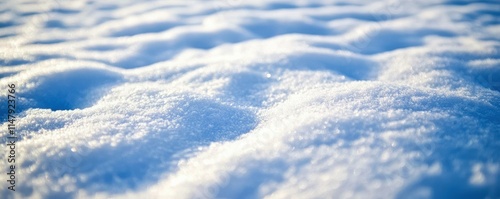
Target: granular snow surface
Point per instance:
(252, 99)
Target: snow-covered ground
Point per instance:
(252, 99)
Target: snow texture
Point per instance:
(253, 99)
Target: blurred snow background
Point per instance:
(253, 99)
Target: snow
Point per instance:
(260, 99)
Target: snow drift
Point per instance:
(261, 99)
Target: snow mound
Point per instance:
(261, 99)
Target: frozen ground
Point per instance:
(253, 99)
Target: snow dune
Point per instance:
(260, 99)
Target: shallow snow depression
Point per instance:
(260, 99)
